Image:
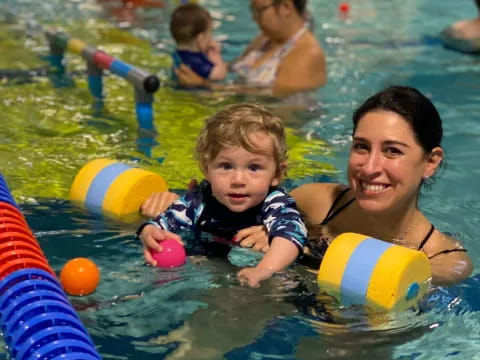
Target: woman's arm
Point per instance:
(303, 68)
(157, 203)
(449, 260)
(188, 78)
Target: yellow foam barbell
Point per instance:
(365, 270)
(113, 188)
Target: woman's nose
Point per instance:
(373, 163)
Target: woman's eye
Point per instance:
(394, 151)
(359, 147)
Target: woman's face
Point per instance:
(387, 164)
(265, 14)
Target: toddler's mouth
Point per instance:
(238, 196)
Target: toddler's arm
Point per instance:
(288, 233)
(282, 253)
(181, 215)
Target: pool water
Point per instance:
(200, 311)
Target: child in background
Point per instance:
(191, 27)
(242, 153)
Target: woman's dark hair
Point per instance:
(188, 21)
(478, 4)
(300, 5)
(413, 106)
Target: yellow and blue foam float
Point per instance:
(113, 188)
(359, 269)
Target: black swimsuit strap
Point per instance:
(331, 213)
(425, 239)
(448, 251)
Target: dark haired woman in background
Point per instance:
(284, 59)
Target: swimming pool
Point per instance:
(200, 311)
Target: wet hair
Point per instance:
(188, 21)
(233, 126)
(413, 106)
(300, 5)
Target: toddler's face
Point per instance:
(240, 179)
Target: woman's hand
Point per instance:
(157, 203)
(151, 238)
(189, 78)
(254, 237)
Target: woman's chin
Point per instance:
(372, 206)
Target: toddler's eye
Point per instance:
(225, 166)
(254, 167)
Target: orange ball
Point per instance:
(80, 276)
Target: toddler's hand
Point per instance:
(253, 275)
(152, 237)
(214, 52)
(215, 46)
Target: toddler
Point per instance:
(242, 153)
(191, 27)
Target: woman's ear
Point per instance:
(434, 160)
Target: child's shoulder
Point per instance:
(278, 194)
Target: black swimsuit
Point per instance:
(320, 246)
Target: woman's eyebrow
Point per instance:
(386, 142)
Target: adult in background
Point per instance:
(464, 35)
(284, 59)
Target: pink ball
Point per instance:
(172, 255)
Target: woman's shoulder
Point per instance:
(316, 198)
(308, 42)
(440, 242)
(449, 259)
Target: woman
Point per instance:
(284, 59)
(396, 150)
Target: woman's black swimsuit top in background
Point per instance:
(314, 261)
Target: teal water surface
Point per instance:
(200, 311)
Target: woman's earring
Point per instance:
(427, 182)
